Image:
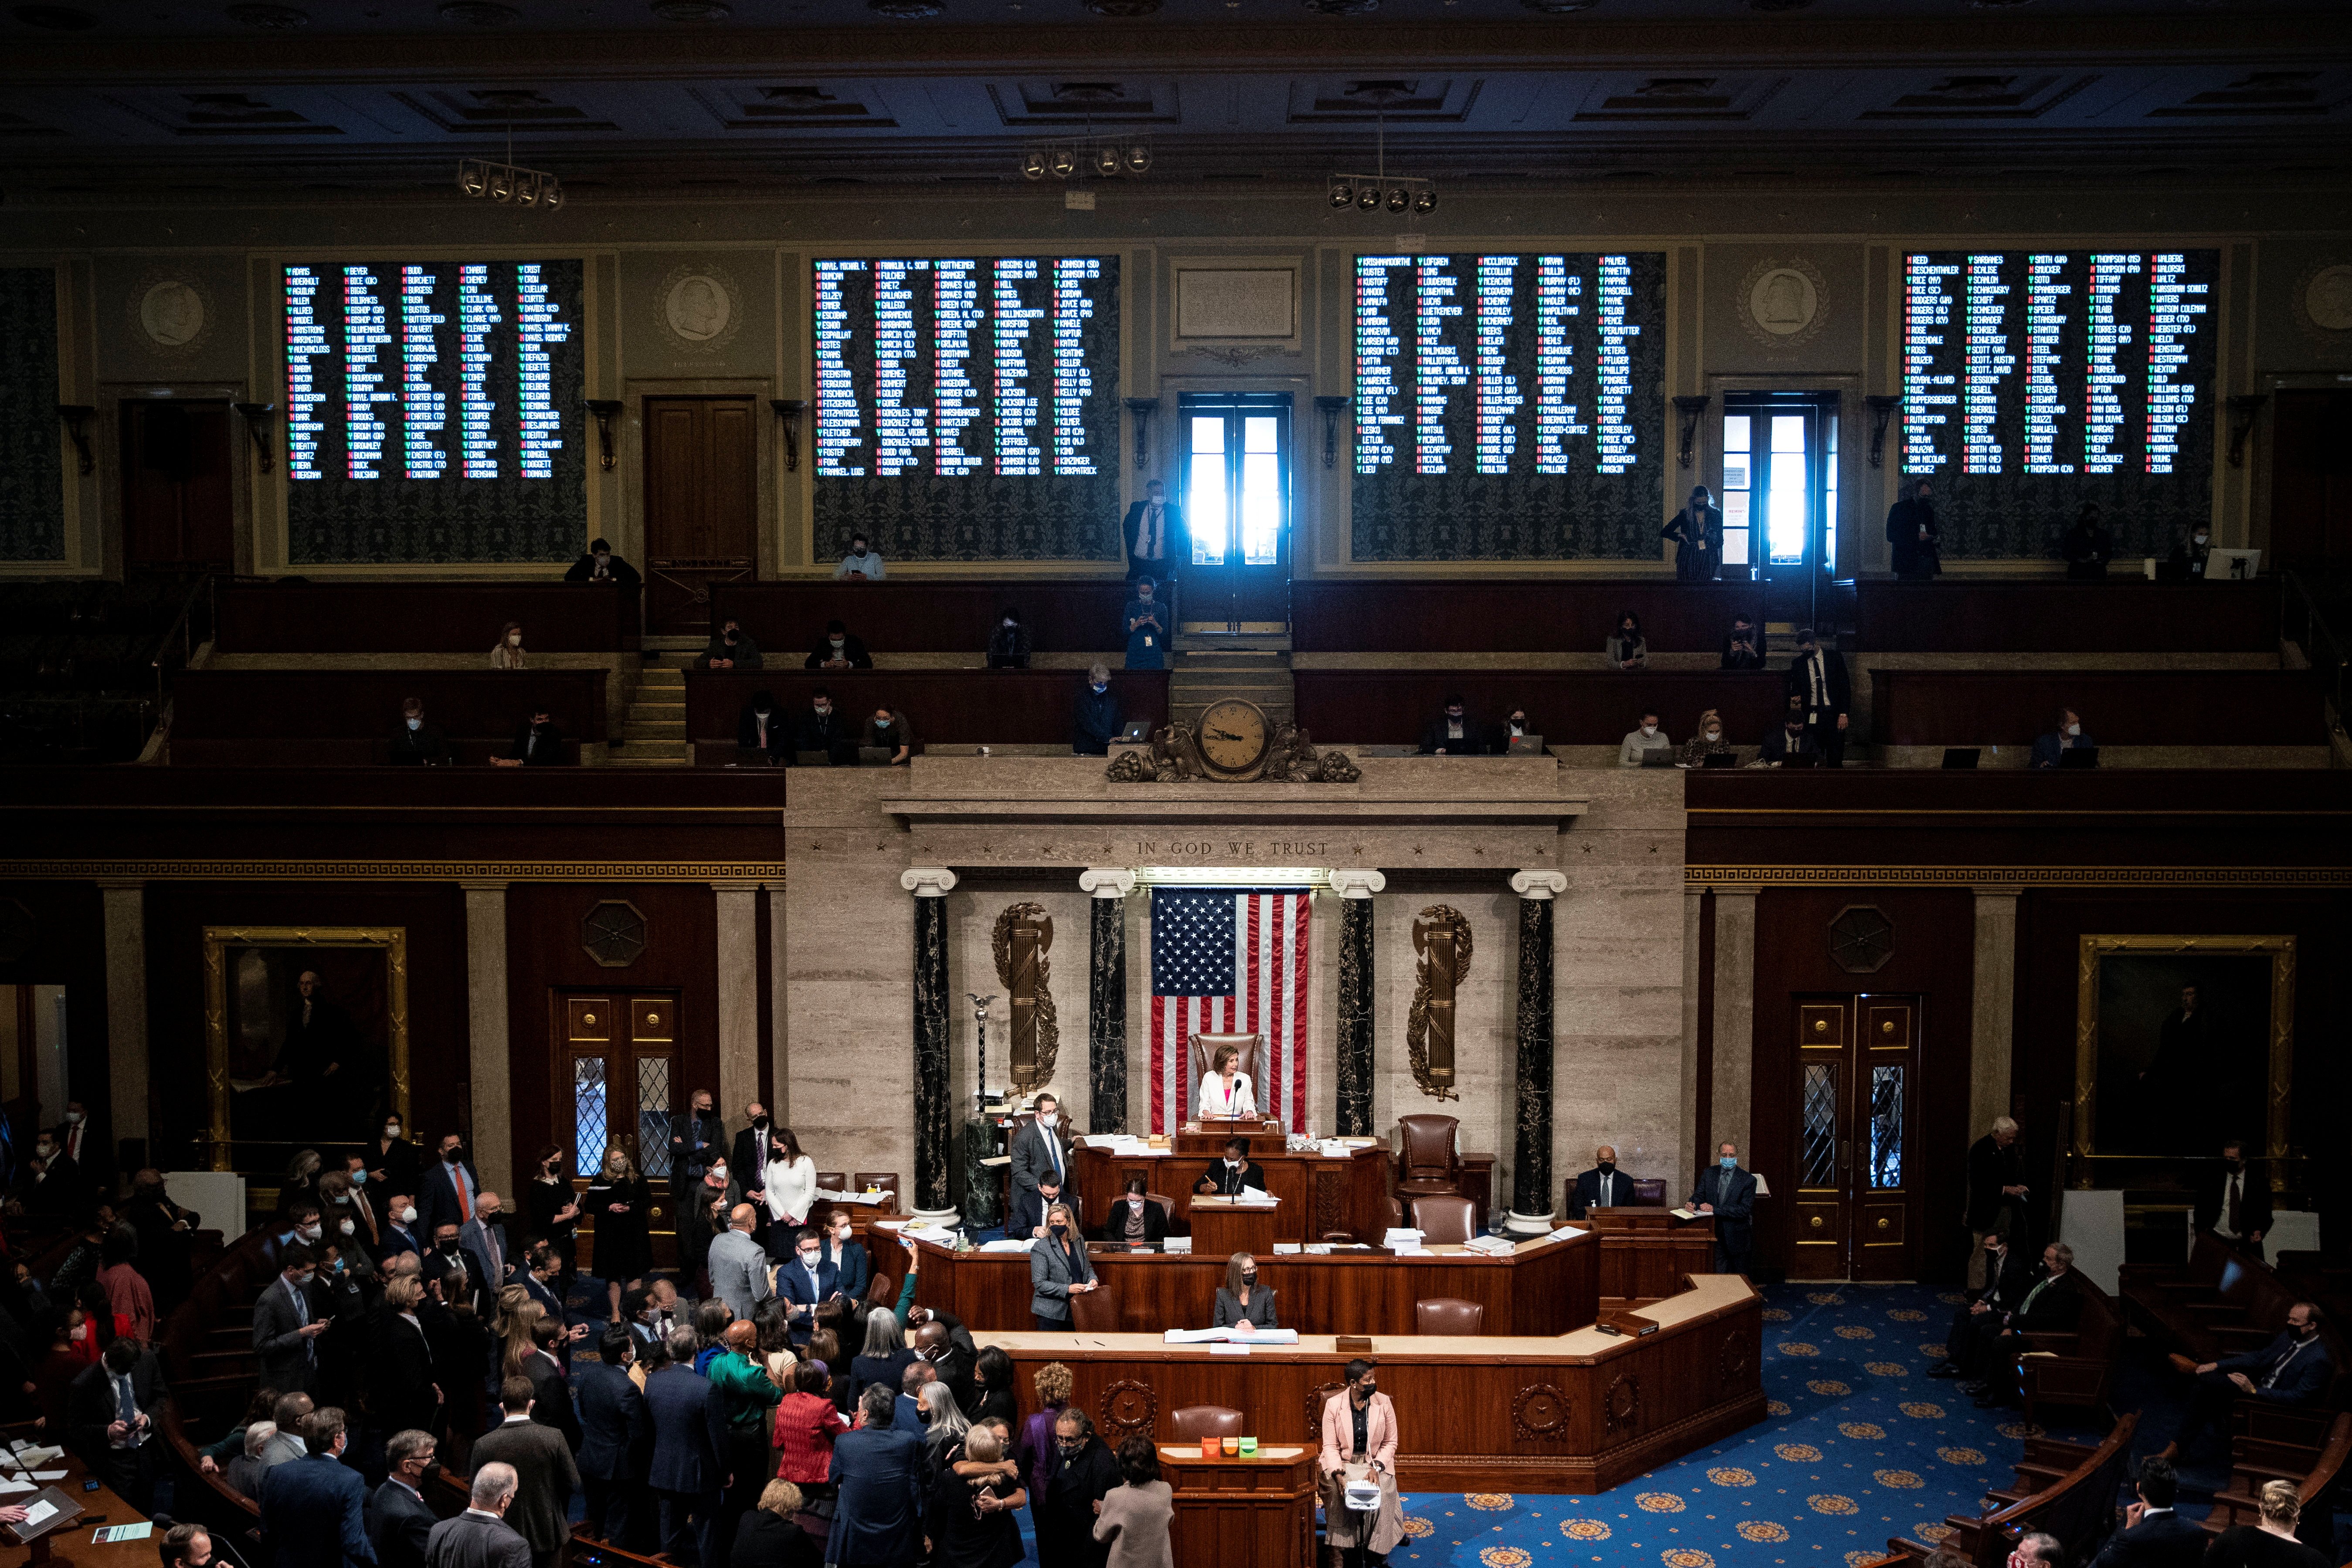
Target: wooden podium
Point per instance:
(1241, 1513)
(1222, 1226)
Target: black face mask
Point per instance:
(1249, 1277)
(760, 1124)
(448, 1248)
(452, 1156)
(1608, 1167)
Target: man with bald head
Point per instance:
(1603, 1186)
(739, 1264)
(935, 1350)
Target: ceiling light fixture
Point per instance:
(507, 182)
(1370, 192)
(1075, 158)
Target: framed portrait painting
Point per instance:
(2182, 1041)
(306, 1033)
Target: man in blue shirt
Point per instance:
(317, 1499)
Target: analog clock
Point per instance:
(1235, 737)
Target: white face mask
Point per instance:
(1714, 734)
(307, 1232)
(1649, 729)
(2201, 539)
(74, 1118)
(1012, 622)
(408, 1215)
(392, 1129)
(1135, 1201)
(839, 642)
(347, 1227)
(1046, 1119)
(514, 640)
(719, 1173)
(2074, 730)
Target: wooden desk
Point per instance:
(1645, 1252)
(1222, 1226)
(1318, 1194)
(70, 1547)
(1257, 1512)
(1544, 1288)
(1575, 1413)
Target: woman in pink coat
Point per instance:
(1359, 1442)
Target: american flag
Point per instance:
(1227, 962)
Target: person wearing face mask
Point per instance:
(838, 649)
(1743, 645)
(1727, 1193)
(1627, 649)
(804, 1280)
(1453, 732)
(1097, 717)
(287, 1324)
(1058, 1271)
(1229, 1176)
(1039, 1145)
(537, 744)
(1603, 1186)
(853, 1267)
(400, 1232)
(617, 1205)
(863, 564)
(1151, 528)
(166, 1233)
(2293, 1370)
(2066, 737)
(730, 647)
(1697, 534)
(415, 741)
(1791, 739)
(1707, 741)
(303, 1224)
(1515, 726)
(824, 732)
(1913, 541)
(1242, 1302)
(2008, 1273)
(2233, 1199)
(551, 1211)
(446, 1266)
(763, 737)
(110, 1420)
(1359, 1444)
(889, 730)
(2189, 557)
(484, 1240)
(2089, 546)
(445, 1193)
(394, 1162)
(695, 1141)
(1144, 621)
(1009, 644)
(1817, 679)
(339, 1220)
(1135, 1220)
(1080, 1474)
(1645, 737)
(507, 652)
(600, 565)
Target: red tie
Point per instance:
(465, 1203)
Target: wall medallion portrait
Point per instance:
(701, 307)
(306, 1035)
(1782, 301)
(2323, 297)
(2181, 1041)
(173, 315)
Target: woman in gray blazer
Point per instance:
(1057, 1269)
(1242, 1300)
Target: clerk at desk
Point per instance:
(1029, 1206)
(1134, 1220)
(1241, 1301)
(1603, 1186)
(1226, 1178)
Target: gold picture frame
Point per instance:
(221, 943)
(2093, 950)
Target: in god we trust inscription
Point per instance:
(1235, 851)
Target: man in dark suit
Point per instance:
(537, 744)
(1603, 1186)
(1980, 1323)
(110, 1419)
(287, 1324)
(1727, 1193)
(1911, 538)
(86, 1153)
(1452, 732)
(1817, 679)
(2153, 1535)
(2293, 1369)
(551, 1387)
(1028, 1216)
(317, 1500)
(2050, 1305)
(2233, 1201)
(837, 649)
(545, 1477)
(806, 1281)
(615, 1443)
(688, 1475)
(696, 1144)
(415, 741)
(951, 1365)
(1041, 1145)
(447, 1187)
(400, 1219)
(480, 1537)
(853, 1266)
(1152, 527)
(762, 735)
(399, 1521)
(1996, 1192)
(600, 565)
(1229, 1176)
(748, 1160)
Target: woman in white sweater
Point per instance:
(507, 653)
(791, 1181)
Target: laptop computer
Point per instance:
(1720, 760)
(1524, 746)
(1962, 757)
(875, 756)
(2079, 757)
(1137, 729)
(1660, 757)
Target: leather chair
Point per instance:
(1203, 1050)
(1195, 1422)
(1167, 1209)
(1445, 1217)
(1649, 1193)
(881, 1292)
(831, 1180)
(1094, 1311)
(1449, 1315)
(1396, 1214)
(1427, 1164)
(885, 1179)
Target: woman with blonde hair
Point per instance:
(2273, 1543)
(617, 1204)
(518, 1314)
(1035, 1448)
(771, 1534)
(1058, 1271)
(1706, 742)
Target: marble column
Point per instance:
(1356, 888)
(487, 1025)
(1106, 997)
(1992, 1007)
(1735, 1019)
(739, 998)
(1687, 1131)
(934, 1147)
(125, 901)
(1531, 1195)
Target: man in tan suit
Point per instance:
(545, 1476)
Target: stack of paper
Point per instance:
(1282, 1248)
(1402, 1236)
(1177, 1244)
(1009, 1245)
(1494, 1245)
(1564, 1233)
(873, 1198)
(1218, 1336)
(1251, 1195)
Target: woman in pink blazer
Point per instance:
(1359, 1442)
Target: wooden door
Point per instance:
(2311, 479)
(702, 505)
(1855, 1209)
(177, 514)
(616, 1076)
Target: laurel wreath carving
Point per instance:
(1049, 1033)
(1622, 1404)
(1416, 1028)
(1539, 1411)
(1128, 1407)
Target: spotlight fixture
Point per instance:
(1062, 161)
(1067, 160)
(1343, 195)
(480, 178)
(1399, 198)
(1136, 160)
(1108, 161)
(1368, 199)
(1032, 164)
(1370, 192)
(1425, 199)
(502, 183)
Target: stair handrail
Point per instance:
(2318, 640)
(182, 630)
